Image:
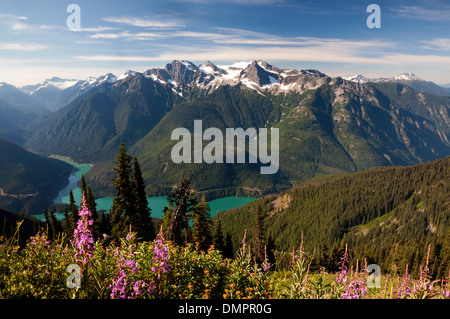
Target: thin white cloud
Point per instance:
(12, 16)
(423, 13)
(331, 53)
(97, 29)
(22, 47)
(19, 26)
(312, 54)
(442, 44)
(127, 35)
(137, 22)
(228, 36)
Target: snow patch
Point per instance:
(126, 74)
(358, 78)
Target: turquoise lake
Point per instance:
(156, 204)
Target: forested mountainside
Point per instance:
(29, 181)
(387, 215)
(327, 125)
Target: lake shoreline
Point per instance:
(156, 203)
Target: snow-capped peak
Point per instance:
(52, 83)
(107, 78)
(210, 68)
(234, 69)
(407, 77)
(126, 74)
(189, 65)
(357, 78)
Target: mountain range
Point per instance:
(327, 124)
(409, 79)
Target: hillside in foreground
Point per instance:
(388, 215)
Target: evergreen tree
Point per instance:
(55, 227)
(167, 216)
(258, 238)
(202, 224)
(73, 214)
(83, 187)
(105, 224)
(228, 251)
(130, 206)
(65, 222)
(92, 206)
(121, 210)
(143, 222)
(270, 249)
(46, 217)
(218, 236)
(182, 201)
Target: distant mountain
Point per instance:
(327, 125)
(17, 110)
(55, 93)
(28, 181)
(408, 79)
(90, 128)
(13, 96)
(357, 78)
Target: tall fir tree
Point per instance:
(83, 186)
(258, 238)
(201, 233)
(130, 206)
(228, 251)
(73, 214)
(218, 236)
(55, 227)
(121, 210)
(143, 222)
(65, 222)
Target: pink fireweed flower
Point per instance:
(40, 240)
(125, 282)
(161, 256)
(82, 238)
(266, 263)
(343, 267)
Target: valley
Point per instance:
(363, 166)
(327, 125)
(156, 204)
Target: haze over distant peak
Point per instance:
(407, 78)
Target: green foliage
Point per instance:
(387, 215)
(202, 224)
(160, 269)
(130, 206)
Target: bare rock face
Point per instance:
(259, 75)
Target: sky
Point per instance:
(113, 36)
